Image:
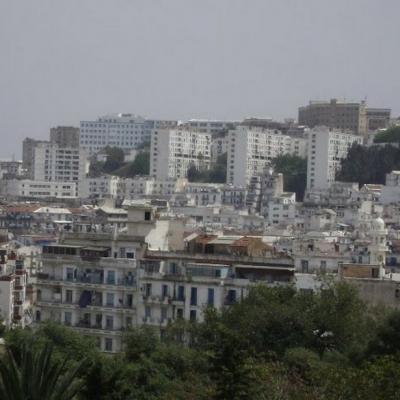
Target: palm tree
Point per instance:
(35, 375)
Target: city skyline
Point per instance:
(68, 62)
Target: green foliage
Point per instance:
(369, 164)
(115, 164)
(277, 343)
(140, 166)
(294, 170)
(34, 375)
(216, 174)
(391, 135)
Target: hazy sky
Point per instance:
(66, 60)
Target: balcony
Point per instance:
(128, 282)
(90, 328)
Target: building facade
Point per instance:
(65, 136)
(378, 118)
(335, 114)
(53, 163)
(251, 150)
(326, 149)
(173, 152)
(126, 131)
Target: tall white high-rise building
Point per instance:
(250, 150)
(172, 152)
(53, 163)
(125, 131)
(327, 147)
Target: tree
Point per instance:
(368, 164)
(35, 375)
(391, 135)
(294, 170)
(216, 174)
(387, 339)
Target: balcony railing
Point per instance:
(89, 279)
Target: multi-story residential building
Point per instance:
(31, 189)
(101, 187)
(391, 191)
(326, 149)
(14, 306)
(378, 118)
(282, 209)
(220, 218)
(10, 169)
(28, 155)
(174, 151)
(204, 194)
(125, 131)
(250, 150)
(65, 136)
(53, 163)
(234, 196)
(335, 114)
(213, 272)
(210, 126)
(89, 280)
(219, 146)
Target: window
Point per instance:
(193, 315)
(193, 296)
(179, 313)
(109, 322)
(147, 215)
(68, 318)
(323, 266)
(70, 274)
(111, 277)
(210, 297)
(148, 289)
(68, 296)
(108, 344)
(147, 312)
(304, 266)
(231, 297)
(164, 312)
(181, 293)
(110, 299)
(164, 291)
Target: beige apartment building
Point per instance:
(335, 114)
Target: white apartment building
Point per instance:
(219, 146)
(391, 191)
(53, 163)
(211, 126)
(126, 131)
(14, 305)
(326, 149)
(173, 151)
(204, 194)
(250, 150)
(38, 189)
(101, 187)
(90, 281)
(282, 209)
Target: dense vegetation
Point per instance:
(115, 164)
(391, 135)
(294, 170)
(216, 174)
(276, 344)
(369, 164)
